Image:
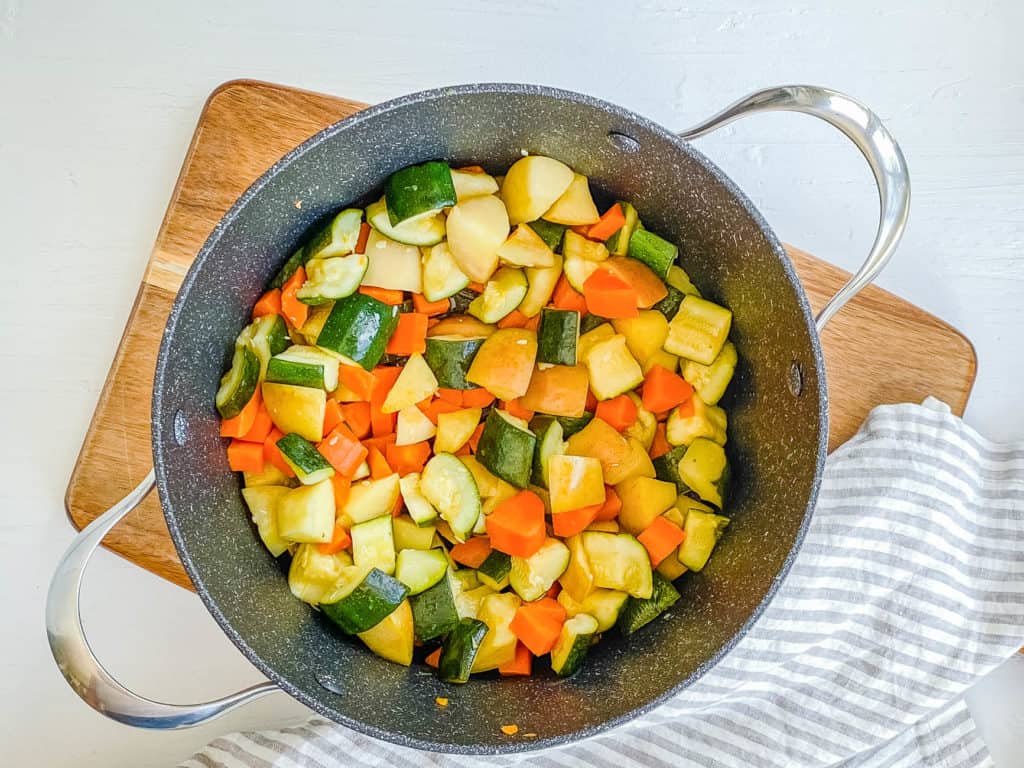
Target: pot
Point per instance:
(777, 404)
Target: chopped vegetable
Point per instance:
(504, 362)
(516, 526)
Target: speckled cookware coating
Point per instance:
(777, 438)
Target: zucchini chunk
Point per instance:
(670, 304)
(337, 238)
(409, 535)
(420, 569)
(613, 370)
(373, 544)
(450, 358)
(573, 643)
(703, 530)
(619, 242)
(550, 232)
(359, 328)
(499, 644)
(420, 510)
(603, 604)
(296, 409)
(707, 421)
(618, 561)
(239, 383)
(531, 577)
(501, 295)
(710, 381)
(290, 267)
(433, 610)
(640, 611)
(549, 443)
(306, 461)
(419, 189)
(268, 336)
(370, 499)
(304, 366)
(699, 330)
(392, 637)
(666, 468)
(656, 252)
(362, 604)
(306, 513)
(442, 277)
(494, 571)
(423, 230)
(332, 278)
(705, 469)
(314, 576)
(573, 424)
(506, 447)
(557, 336)
(460, 651)
(262, 502)
(451, 490)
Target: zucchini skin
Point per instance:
(506, 450)
(359, 328)
(496, 567)
(300, 452)
(450, 359)
(550, 232)
(557, 335)
(654, 251)
(433, 610)
(373, 599)
(670, 304)
(573, 424)
(666, 467)
(298, 374)
(541, 426)
(638, 612)
(460, 650)
(231, 401)
(417, 189)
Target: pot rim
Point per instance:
(160, 430)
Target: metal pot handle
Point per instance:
(79, 664)
(861, 126)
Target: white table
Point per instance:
(97, 105)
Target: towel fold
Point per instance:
(908, 588)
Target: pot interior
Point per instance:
(776, 431)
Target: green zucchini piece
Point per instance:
(666, 468)
(409, 535)
(703, 530)
(332, 278)
(494, 570)
(502, 294)
(462, 300)
(549, 232)
(506, 448)
(711, 381)
(314, 577)
(434, 613)
(239, 383)
(373, 544)
(262, 503)
(531, 577)
(578, 269)
(618, 561)
(304, 459)
(678, 279)
(550, 442)
(589, 322)
(603, 604)
(338, 237)
(324, 365)
(420, 510)
(419, 189)
(298, 374)
(573, 424)
(654, 251)
(699, 330)
(442, 277)
(450, 357)
(670, 304)
(460, 650)
(364, 604)
(640, 611)
(290, 267)
(422, 230)
(420, 569)
(557, 335)
(359, 328)
(618, 243)
(268, 336)
(572, 645)
(451, 490)
(705, 469)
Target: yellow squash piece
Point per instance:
(558, 390)
(262, 502)
(574, 482)
(643, 500)
(392, 638)
(369, 499)
(577, 580)
(504, 363)
(313, 576)
(296, 409)
(532, 185)
(600, 440)
(645, 334)
(455, 428)
(416, 382)
(708, 421)
(613, 370)
(499, 644)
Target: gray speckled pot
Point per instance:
(777, 439)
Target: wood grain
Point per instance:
(245, 126)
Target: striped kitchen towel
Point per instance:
(908, 588)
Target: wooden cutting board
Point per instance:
(245, 127)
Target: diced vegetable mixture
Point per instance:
(481, 417)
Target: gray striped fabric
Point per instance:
(909, 587)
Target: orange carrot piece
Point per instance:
(550, 607)
(339, 540)
(405, 459)
(379, 466)
(536, 629)
(332, 415)
(430, 308)
(433, 658)
(410, 336)
(515, 408)
(620, 412)
(660, 539)
(612, 505)
(453, 396)
(385, 295)
(245, 457)
(380, 442)
(475, 286)
(238, 425)
(608, 295)
(472, 169)
(437, 406)
(357, 379)
(268, 304)
(472, 552)
(533, 323)
(464, 450)
(514, 319)
(260, 428)
(364, 235)
(476, 398)
(516, 526)
(685, 410)
(342, 450)
(294, 311)
(272, 453)
(357, 417)
(566, 297)
(574, 521)
(591, 401)
(384, 378)
(611, 221)
(474, 439)
(342, 487)
(554, 591)
(663, 389)
(520, 664)
(659, 446)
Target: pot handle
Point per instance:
(79, 664)
(861, 126)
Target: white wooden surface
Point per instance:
(97, 105)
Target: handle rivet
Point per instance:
(795, 380)
(180, 427)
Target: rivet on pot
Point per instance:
(180, 427)
(623, 142)
(796, 379)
